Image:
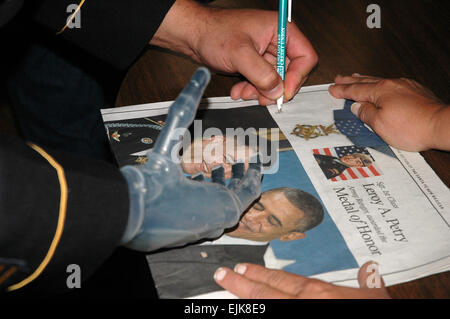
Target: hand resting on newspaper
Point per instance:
(402, 112)
(252, 281)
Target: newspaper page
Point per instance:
(352, 197)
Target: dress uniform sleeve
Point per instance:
(56, 210)
(115, 31)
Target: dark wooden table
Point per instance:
(413, 42)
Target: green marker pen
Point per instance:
(284, 15)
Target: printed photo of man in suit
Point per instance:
(282, 213)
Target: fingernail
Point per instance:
(220, 274)
(356, 74)
(355, 108)
(240, 269)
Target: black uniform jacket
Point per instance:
(56, 210)
(59, 210)
(115, 31)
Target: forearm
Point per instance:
(180, 27)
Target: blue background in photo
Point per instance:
(324, 248)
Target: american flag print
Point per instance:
(351, 173)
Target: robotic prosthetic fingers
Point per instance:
(166, 208)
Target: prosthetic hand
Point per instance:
(166, 208)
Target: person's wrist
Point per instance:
(439, 130)
(181, 27)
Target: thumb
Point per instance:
(366, 112)
(369, 276)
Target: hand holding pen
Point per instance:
(299, 60)
(240, 41)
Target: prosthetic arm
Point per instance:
(166, 208)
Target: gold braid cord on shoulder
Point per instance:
(71, 18)
(61, 219)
